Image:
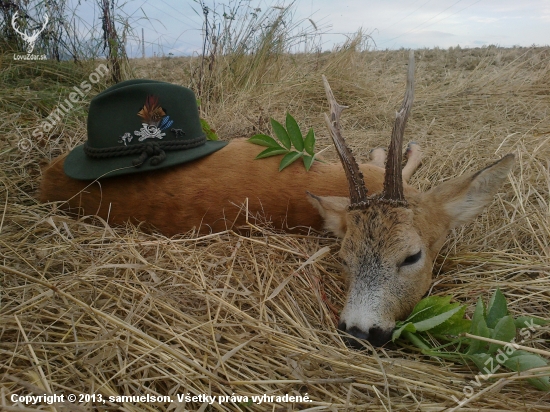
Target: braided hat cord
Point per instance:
(154, 149)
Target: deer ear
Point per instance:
(465, 197)
(333, 210)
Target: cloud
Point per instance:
(431, 34)
(486, 20)
(544, 15)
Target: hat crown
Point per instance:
(133, 112)
(140, 125)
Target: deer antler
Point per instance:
(14, 25)
(393, 181)
(357, 189)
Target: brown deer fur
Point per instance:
(207, 193)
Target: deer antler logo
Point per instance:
(30, 39)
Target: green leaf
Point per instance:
(497, 308)
(480, 360)
(529, 322)
(455, 325)
(408, 326)
(208, 131)
(271, 151)
(264, 140)
(429, 307)
(542, 383)
(416, 340)
(281, 133)
(505, 331)
(430, 323)
(438, 316)
(453, 328)
(294, 133)
(309, 142)
(479, 317)
(520, 361)
(478, 328)
(289, 159)
(308, 161)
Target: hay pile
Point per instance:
(87, 308)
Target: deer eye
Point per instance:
(412, 259)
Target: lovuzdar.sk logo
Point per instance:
(30, 37)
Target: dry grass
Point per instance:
(89, 308)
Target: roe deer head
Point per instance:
(389, 242)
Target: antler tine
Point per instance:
(393, 181)
(357, 189)
(46, 20)
(14, 24)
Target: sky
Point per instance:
(175, 26)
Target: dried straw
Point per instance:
(90, 308)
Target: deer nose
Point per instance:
(375, 335)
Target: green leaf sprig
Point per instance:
(289, 137)
(438, 328)
(208, 131)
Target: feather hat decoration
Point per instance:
(152, 113)
(142, 125)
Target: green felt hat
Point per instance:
(137, 126)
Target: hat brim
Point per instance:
(82, 167)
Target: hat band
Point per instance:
(153, 149)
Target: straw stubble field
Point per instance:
(88, 308)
